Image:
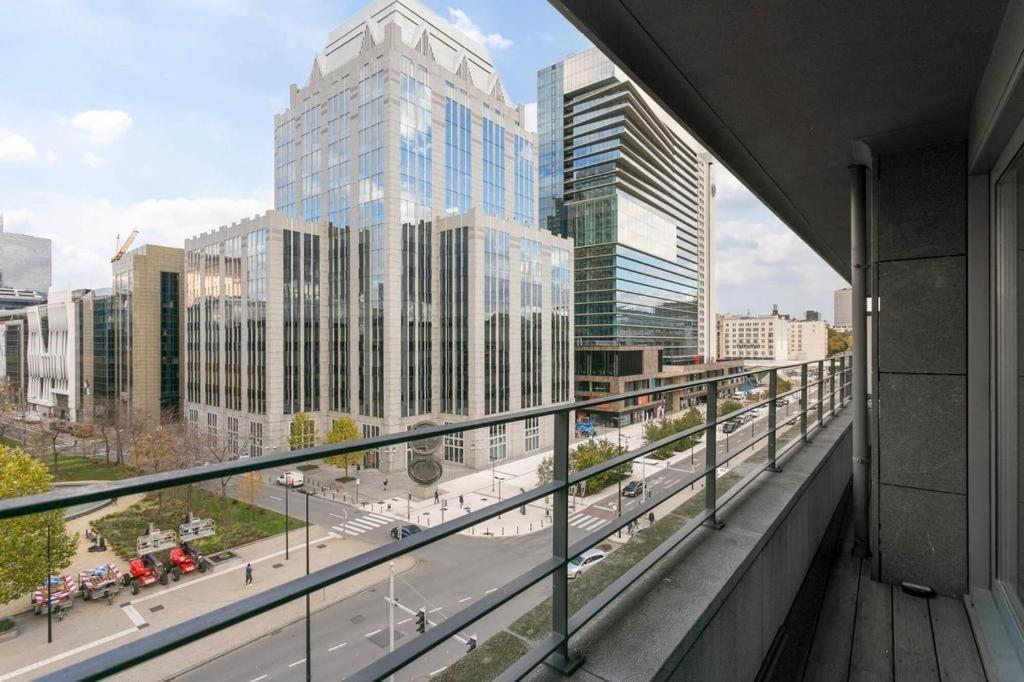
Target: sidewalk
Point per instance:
(92, 627)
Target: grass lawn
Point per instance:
(77, 467)
(237, 522)
(495, 655)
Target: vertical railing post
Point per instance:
(832, 387)
(804, 407)
(711, 456)
(560, 660)
(821, 392)
(842, 380)
(773, 396)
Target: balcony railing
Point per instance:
(832, 382)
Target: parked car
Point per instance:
(402, 532)
(291, 479)
(584, 562)
(633, 488)
(730, 426)
(781, 401)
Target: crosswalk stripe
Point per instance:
(344, 530)
(592, 524)
(374, 520)
(382, 519)
(359, 523)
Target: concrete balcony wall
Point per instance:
(919, 495)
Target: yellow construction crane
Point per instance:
(123, 248)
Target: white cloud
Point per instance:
(102, 126)
(17, 218)
(14, 147)
(51, 156)
(92, 160)
(466, 25)
(530, 116)
(83, 229)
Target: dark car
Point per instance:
(402, 532)
(730, 426)
(633, 488)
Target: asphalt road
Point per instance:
(448, 577)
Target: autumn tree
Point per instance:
(595, 452)
(782, 385)
(9, 403)
(302, 433)
(342, 430)
(23, 558)
(545, 470)
(248, 487)
(838, 341)
(160, 450)
(656, 430)
(728, 407)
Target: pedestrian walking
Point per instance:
(460, 500)
(385, 485)
(650, 519)
(248, 575)
(435, 496)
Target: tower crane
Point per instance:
(122, 248)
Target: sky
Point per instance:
(159, 115)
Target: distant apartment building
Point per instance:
(633, 189)
(25, 261)
(145, 318)
(808, 340)
(403, 278)
(842, 315)
(771, 338)
(39, 353)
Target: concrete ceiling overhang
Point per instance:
(781, 91)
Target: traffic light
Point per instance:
(421, 621)
(471, 644)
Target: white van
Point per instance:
(291, 479)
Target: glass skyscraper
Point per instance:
(633, 190)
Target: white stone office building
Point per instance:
(402, 278)
(807, 340)
(774, 338)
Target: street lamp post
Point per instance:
(309, 657)
(619, 506)
(286, 520)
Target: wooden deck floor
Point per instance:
(866, 630)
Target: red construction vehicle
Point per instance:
(185, 558)
(146, 568)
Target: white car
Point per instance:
(584, 562)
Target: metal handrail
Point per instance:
(563, 626)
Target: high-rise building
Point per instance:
(25, 261)
(812, 315)
(634, 190)
(842, 315)
(146, 318)
(415, 283)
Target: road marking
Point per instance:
(466, 599)
(344, 530)
(439, 670)
(403, 621)
(338, 646)
(275, 498)
(221, 571)
(371, 634)
(435, 610)
(292, 665)
(380, 518)
(59, 657)
(493, 589)
(257, 679)
(134, 614)
(336, 516)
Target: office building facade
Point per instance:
(146, 318)
(842, 311)
(633, 190)
(25, 261)
(774, 338)
(424, 290)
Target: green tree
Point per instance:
(302, 433)
(663, 428)
(595, 452)
(728, 406)
(545, 470)
(838, 341)
(249, 486)
(781, 386)
(23, 560)
(343, 429)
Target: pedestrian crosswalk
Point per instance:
(363, 524)
(585, 521)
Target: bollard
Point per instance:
(503, 531)
(531, 526)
